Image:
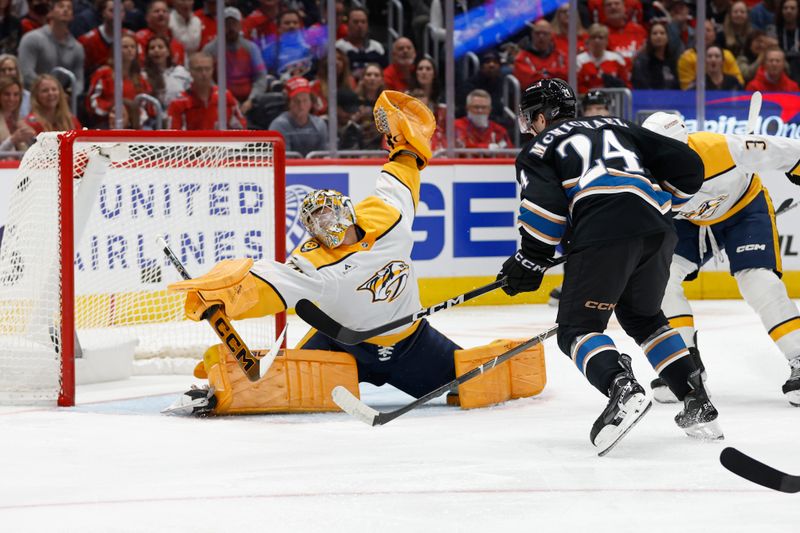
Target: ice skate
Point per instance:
(627, 404)
(662, 393)
(792, 386)
(699, 416)
(198, 401)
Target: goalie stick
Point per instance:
(745, 466)
(358, 409)
(220, 323)
(317, 318)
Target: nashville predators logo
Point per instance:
(706, 209)
(388, 282)
(309, 245)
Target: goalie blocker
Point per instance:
(301, 380)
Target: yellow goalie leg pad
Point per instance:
(298, 381)
(521, 376)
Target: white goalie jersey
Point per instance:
(731, 166)
(371, 282)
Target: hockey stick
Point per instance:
(753, 112)
(786, 205)
(317, 318)
(358, 409)
(745, 466)
(220, 323)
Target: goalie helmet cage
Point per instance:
(79, 263)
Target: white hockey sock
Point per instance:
(766, 294)
(675, 305)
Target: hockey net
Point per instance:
(81, 273)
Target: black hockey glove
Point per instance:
(522, 273)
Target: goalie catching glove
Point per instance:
(407, 123)
(231, 285)
(523, 274)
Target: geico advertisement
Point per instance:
(464, 226)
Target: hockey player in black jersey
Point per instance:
(615, 185)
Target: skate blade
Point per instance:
(793, 397)
(182, 407)
(636, 407)
(708, 431)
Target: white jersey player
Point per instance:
(357, 266)
(733, 211)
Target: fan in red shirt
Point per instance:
(100, 100)
(397, 76)
(541, 59)
(208, 18)
(97, 42)
(771, 77)
(598, 66)
(196, 109)
(633, 10)
(158, 24)
(262, 21)
(625, 36)
(36, 17)
(476, 130)
(560, 25)
(49, 107)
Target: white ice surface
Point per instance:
(113, 463)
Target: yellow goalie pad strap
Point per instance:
(407, 121)
(521, 376)
(298, 381)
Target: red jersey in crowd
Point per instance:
(97, 48)
(37, 126)
(28, 24)
(100, 98)
(468, 135)
(188, 112)
(591, 70)
(633, 10)
(627, 40)
(530, 67)
(562, 42)
(398, 78)
(209, 27)
(175, 46)
(761, 83)
(257, 25)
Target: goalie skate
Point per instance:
(199, 401)
(699, 416)
(627, 404)
(791, 389)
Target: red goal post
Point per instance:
(213, 195)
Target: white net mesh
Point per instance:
(210, 201)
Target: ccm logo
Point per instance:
(438, 307)
(750, 248)
(234, 344)
(600, 306)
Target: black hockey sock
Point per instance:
(602, 369)
(676, 376)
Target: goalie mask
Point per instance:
(327, 214)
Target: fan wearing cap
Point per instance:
(357, 266)
(246, 74)
(302, 131)
(196, 108)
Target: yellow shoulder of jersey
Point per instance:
(404, 169)
(373, 215)
(713, 150)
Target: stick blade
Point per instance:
(757, 472)
(754, 111)
(314, 316)
(353, 406)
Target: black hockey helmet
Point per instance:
(596, 97)
(554, 98)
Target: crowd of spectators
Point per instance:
(277, 74)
